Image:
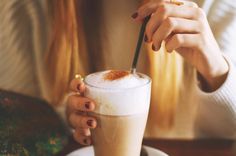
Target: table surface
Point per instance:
(180, 147)
(203, 147)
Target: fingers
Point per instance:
(79, 103)
(77, 85)
(79, 121)
(82, 136)
(169, 10)
(146, 10)
(151, 7)
(184, 41)
(77, 118)
(77, 108)
(173, 25)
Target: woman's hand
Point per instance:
(77, 108)
(185, 29)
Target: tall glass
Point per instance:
(122, 116)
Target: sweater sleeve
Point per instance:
(216, 113)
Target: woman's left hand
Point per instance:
(185, 29)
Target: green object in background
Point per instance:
(29, 127)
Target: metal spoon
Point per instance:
(139, 44)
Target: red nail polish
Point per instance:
(85, 141)
(135, 15)
(90, 123)
(154, 48)
(87, 105)
(78, 87)
(145, 38)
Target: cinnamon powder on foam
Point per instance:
(115, 75)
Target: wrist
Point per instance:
(216, 76)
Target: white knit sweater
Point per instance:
(23, 43)
(23, 38)
(216, 114)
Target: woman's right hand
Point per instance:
(77, 110)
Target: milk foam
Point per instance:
(129, 81)
(124, 96)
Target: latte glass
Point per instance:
(121, 114)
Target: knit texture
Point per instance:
(23, 41)
(216, 114)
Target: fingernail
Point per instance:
(90, 123)
(154, 48)
(85, 141)
(145, 38)
(78, 87)
(135, 15)
(87, 105)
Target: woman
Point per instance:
(184, 29)
(173, 78)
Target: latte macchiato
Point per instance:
(122, 104)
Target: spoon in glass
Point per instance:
(139, 44)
